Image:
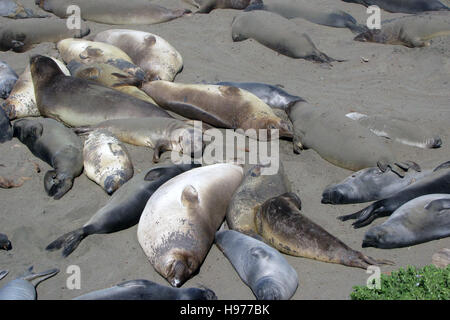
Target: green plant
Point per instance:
(427, 283)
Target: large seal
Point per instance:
(206, 6)
(422, 219)
(437, 182)
(148, 290)
(114, 11)
(14, 10)
(24, 287)
(57, 145)
(5, 244)
(8, 78)
(219, 106)
(78, 102)
(260, 266)
(282, 225)
(124, 208)
(177, 243)
(411, 31)
(276, 33)
(157, 57)
(6, 131)
(405, 6)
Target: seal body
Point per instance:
(405, 6)
(14, 10)
(177, 244)
(8, 78)
(157, 57)
(55, 144)
(206, 6)
(220, 106)
(6, 131)
(148, 290)
(422, 219)
(260, 266)
(124, 208)
(5, 244)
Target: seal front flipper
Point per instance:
(438, 205)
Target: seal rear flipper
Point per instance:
(3, 274)
(69, 241)
(365, 216)
(444, 165)
(195, 113)
(360, 260)
(36, 278)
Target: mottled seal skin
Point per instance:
(437, 182)
(22, 35)
(8, 78)
(177, 244)
(277, 33)
(24, 287)
(405, 6)
(260, 266)
(106, 161)
(157, 57)
(410, 31)
(6, 130)
(420, 220)
(283, 226)
(273, 96)
(160, 134)
(78, 102)
(219, 106)
(14, 10)
(148, 290)
(57, 145)
(116, 12)
(206, 6)
(5, 244)
(254, 190)
(124, 208)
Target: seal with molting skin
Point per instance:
(57, 145)
(123, 209)
(283, 226)
(177, 243)
(148, 290)
(8, 78)
(157, 57)
(260, 266)
(276, 33)
(420, 220)
(404, 6)
(14, 10)
(219, 106)
(5, 244)
(78, 102)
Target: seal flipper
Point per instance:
(31, 276)
(69, 241)
(444, 165)
(438, 205)
(3, 274)
(366, 215)
(160, 147)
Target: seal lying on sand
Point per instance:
(276, 33)
(206, 6)
(5, 244)
(8, 78)
(14, 10)
(422, 219)
(260, 266)
(405, 6)
(411, 31)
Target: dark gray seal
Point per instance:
(404, 6)
(8, 78)
(5, 244)
(6, 131)
(206, 6)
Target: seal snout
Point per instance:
(335, 194)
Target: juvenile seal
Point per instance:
(5, 244)
(157, 57)
(420, 220)
(15, 10)
(6, 131)
(282, 225)
(410, 31)
(276, 33)
(123, 209)
(57, 145)
(148, 290)
(206, 6)
(405, 6)
(78, 102)
(24, 287)
(8, 78)
(260, 266)
(177, 243)
(106, 161)
(219, 106)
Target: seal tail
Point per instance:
(69, 241)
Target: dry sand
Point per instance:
(397, 81)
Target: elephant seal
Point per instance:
(410, 31)
(282, 225)
(219, 106)
(6, 131)
(404, 6)
(55, 144)
(160, 134)
(254, 190)
(8, 78)
(123, 209)
(22, 35)
(334, 137)
(106, 161)
(206, 6)
(157, 57)
(437, 182)
(24, 287)
(78, 102)
(177, 243)
(5, 244)
(277, 33)
(420, 220)
(260, 266)
(148, 290)
(114, 11)
(273, 96)
(14, 10)
(398, 129)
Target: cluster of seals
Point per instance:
(8, 78)
(405, 6)
(15, 10)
